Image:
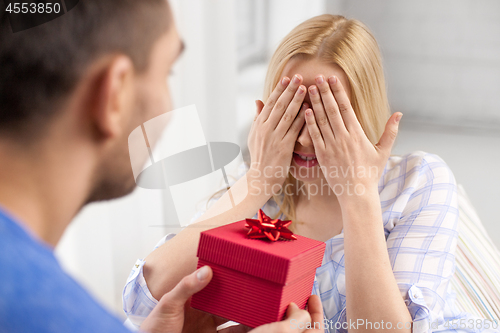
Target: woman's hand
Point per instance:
(274, 132)
(349, 161)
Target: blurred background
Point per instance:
(442, 66)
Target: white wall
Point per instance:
(284, 15)
(442, 58)
(206, 73)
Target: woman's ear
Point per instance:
(113, 97)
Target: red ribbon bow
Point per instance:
(272, 229)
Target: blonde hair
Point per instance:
(349, 44)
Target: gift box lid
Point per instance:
(281, 261)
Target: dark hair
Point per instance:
(41, 66)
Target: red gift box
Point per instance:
(255, 279)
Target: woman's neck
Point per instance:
(316, 193)
(318, 213)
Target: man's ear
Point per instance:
(113, 96)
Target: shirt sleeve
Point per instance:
(138, 302)
(422, 243)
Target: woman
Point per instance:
(389, 222)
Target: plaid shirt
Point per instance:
(418, 196)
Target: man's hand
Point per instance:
(173, 309)
(173, 313)
(296, 320)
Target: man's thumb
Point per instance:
(188, 286)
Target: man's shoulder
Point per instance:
(36, 295)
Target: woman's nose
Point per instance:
(304, 138)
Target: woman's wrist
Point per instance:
(357, 195)
(265, 182)
(362, 218)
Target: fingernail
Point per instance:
(302, 89)
(320, 79)
(305, 105)
(308, 112)
(293, 305)
(285, 81)
(313, 90)
(332, 79)
(296, 79)
(203, 273)
(398, 118)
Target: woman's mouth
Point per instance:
(305, 160)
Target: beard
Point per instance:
(114, 177)
(109, 191)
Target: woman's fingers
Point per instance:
(320, 116)
(297, 124)
(273, 98)
(344, 106)
(390, 133)
(260, 106)
(269, 147)
(330, 106)
(283, 101)
(291, 111)
(314, 131)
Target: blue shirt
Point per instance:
(36, 295)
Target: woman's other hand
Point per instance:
(274, 132)
(349, 160)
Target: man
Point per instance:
(71, 91)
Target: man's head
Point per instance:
(99, 70)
